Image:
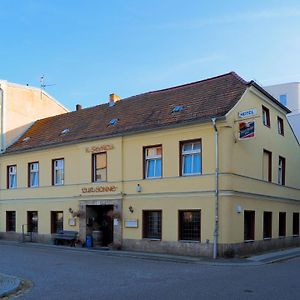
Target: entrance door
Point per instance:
(99, 224)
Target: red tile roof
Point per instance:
(201, 101)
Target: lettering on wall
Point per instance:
(99, 189)
(101, 148)
(247, 113)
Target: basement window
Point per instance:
(113, 122)
(177, 108)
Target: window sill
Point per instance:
(248, 241)
(282, 237)
(151, 178)
(190, 241)
(189, 175)
(152, 239)
(267, 239)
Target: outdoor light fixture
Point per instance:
(131, 209)
(238, 209)
(138, 188)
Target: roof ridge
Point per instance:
(199, 81)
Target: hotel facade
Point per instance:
(198, 169)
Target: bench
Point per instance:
(65, 237)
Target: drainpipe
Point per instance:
(1, 120)
(216, 229)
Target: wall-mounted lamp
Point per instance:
(131, 209)
(238, 209)
(138, 188)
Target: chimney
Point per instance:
(78, 107)
(113, 98)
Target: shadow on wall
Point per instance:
(13, 135)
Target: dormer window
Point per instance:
(26, 139)
(177, 108)
(113, 122)
(65, 131)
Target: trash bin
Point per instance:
(89, 241)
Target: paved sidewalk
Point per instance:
(8, 284)
(265, 258)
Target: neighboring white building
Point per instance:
(289, 95)
(20, 106)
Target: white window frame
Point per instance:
(155, 158)
(56, 168)
(33, 171)
(280, 170)
(191, 152)
(12, 172)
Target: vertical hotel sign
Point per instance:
(247, 128)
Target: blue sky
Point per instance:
(90, 49)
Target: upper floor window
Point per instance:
(12, 177)
(33, 174)
(58, 170)
(191, 160)
(99, 165)
(153, 162)
(267, 165)
(266, 116)
(283, 99)
(281, 170)
(280, 126)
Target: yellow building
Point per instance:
(20, 106)
(194, 169)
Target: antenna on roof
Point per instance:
(43, 84)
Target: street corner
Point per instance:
(11, 286)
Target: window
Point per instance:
(283, 99)
(32, 221)
(267, 165)
(295, 223)
(177, 108)
(249, 225)
(153, 162)
(12, 177)
(267, 224)
(57, 221)
(266, 116)
(281, 171)
(58, 171)
(280, 126)
(33, 174)
(191, 161)
(282, 224)
(10, 221)
(99, 164)
(152, 224)
(189, 225)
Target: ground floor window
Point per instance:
(267, 224)
(295, 223)
(57, 221)
(282, 224)
(10, 221)
(249, 225)
(32, 221)
(189, 225)
(152, 224)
